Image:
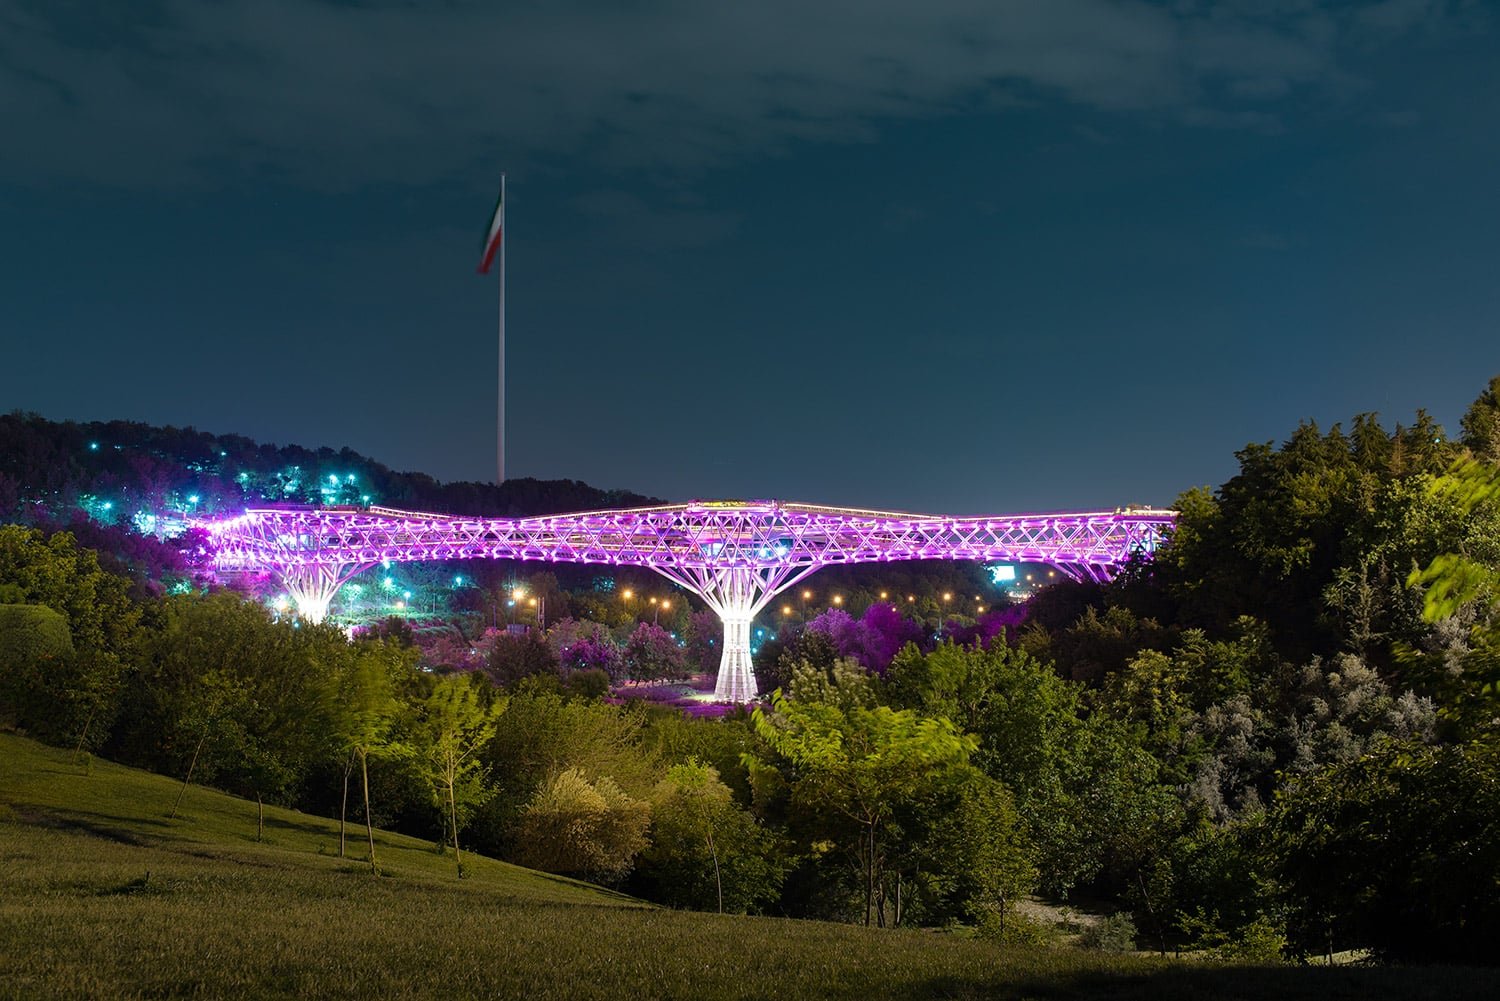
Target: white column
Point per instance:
(312, 587)
(312, 597)
(736, 674)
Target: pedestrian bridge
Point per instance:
(735, 555)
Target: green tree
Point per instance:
(76, 698)
(226, 693)
(706, 852)
(457, 723)
(591, 829)
(864, 764)
(364, 721)
(1398, 851)
(1481, 424)
(34, 644)
(545, 734)
(980, 853)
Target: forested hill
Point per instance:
(119, 471)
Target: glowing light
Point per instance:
(313, 550)
(1002, 573)
(400, 605)
(93, 446)
(786, 609)
(518, 593)
(406, 595)
(458, 582)
(883, 595)
(282, 604)
(838, 599)
(107, 505)
(389, 583)
(192, 498)
(947, 595)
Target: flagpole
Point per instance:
(500, 414)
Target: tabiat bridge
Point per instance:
(735, 555)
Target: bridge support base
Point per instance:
(312, 588)
(736, 672)
(737, 595)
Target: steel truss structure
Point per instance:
(735, 555)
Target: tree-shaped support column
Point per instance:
(737, 595)
(312, 586)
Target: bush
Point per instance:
(582, 828)
(1115, 933)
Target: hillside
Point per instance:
(105, 897)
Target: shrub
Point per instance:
(1115, 933)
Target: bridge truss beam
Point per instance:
(735, 555)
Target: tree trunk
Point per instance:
(185, 782)
(713, 851)
(453, 817)
(1161, 938)
(344, 805)
(364, 768)
(260, 818)
(78, 751)
(869, 854)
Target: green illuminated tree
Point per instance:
(364, 720)
(863, 764)
(705, 851)
(457, 722)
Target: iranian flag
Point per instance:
(492, 239)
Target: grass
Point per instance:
(102, 897)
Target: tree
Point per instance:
(515, 657)
(980, 853)
(225, 692)
(863, 764)
(76, 698)
(34, 644)
(1481, 424)
(457, 723)
(705, 851)
(1398, 851)
(652, 653)
(365, 719)
(583, 828)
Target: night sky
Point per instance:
(944, 256)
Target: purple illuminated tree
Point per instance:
(873, 640)
(651, 653)
(591, 653)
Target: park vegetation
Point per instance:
(1277, 741)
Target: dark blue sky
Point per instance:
(953, 255)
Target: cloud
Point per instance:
(338, 93)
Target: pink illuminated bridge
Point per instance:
(735, 555)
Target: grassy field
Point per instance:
(102, 897)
